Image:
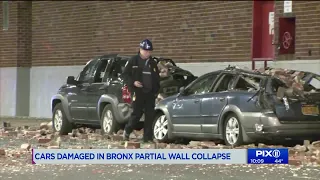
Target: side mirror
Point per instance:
(181, 90)
(71, 80)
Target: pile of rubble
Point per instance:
(86, 138)
(294, 81)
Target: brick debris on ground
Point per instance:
(17, 141)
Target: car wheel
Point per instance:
(60, 122)
(109, 124)
(232, 131)
(161, 128)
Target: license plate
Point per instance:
(310, 110)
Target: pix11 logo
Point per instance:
(268, 153)
(268, 156)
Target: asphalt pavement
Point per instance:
(19, 166)
(160, 172)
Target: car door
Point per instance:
(213, 103)
(77, 95)
(97, 88)
(186, 111)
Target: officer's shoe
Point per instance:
(125, 136)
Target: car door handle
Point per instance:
(222, 99)
(196, 101)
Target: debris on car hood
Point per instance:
(172, 77)
(290, 83)
(297, 82)
(167, 67)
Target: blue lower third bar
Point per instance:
(268, 156)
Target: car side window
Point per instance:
(87, 75)
(225, 82)
(202, 86)
(118, 67)
(100, 71)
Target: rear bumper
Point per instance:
(273, 129)
(288, 132)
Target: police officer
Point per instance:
(141, 74)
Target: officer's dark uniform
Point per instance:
(146, 72)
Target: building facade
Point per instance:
(44, 42)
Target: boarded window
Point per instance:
(5, 10)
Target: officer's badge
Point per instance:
(154, 69)
(134, 97)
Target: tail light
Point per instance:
(126, 96)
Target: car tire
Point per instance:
(160, 128)
(60, 123)
(232, 131)
(109, 124)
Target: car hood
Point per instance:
(167, 100)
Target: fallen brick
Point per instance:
(300, 148)
(12, 133)
(116, 138)
(83, 136)
(316, 144)
(295, 162)
(43, 132)
(194, 143)
(33, 129)
(4, 134)
(203, 146)
(129, 145)
(161, 145)
(116, 147)
(149, 146)
(43, 140)
(50, 136)
(8, 128)
(81, 130)
(89, 130)
(120, 132)
(306, 143)
(207, 144)
(98, 131)
(18, 128)
(2, 152)
(44, 125)
(261, 145)
(53, 147)
(25, 147)
(16, 155)
(30, 133)
(95, 137)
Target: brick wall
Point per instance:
(16, 42)
(8, 39)
(70, 32)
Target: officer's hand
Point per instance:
(137, 84)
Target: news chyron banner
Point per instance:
(160, 156)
